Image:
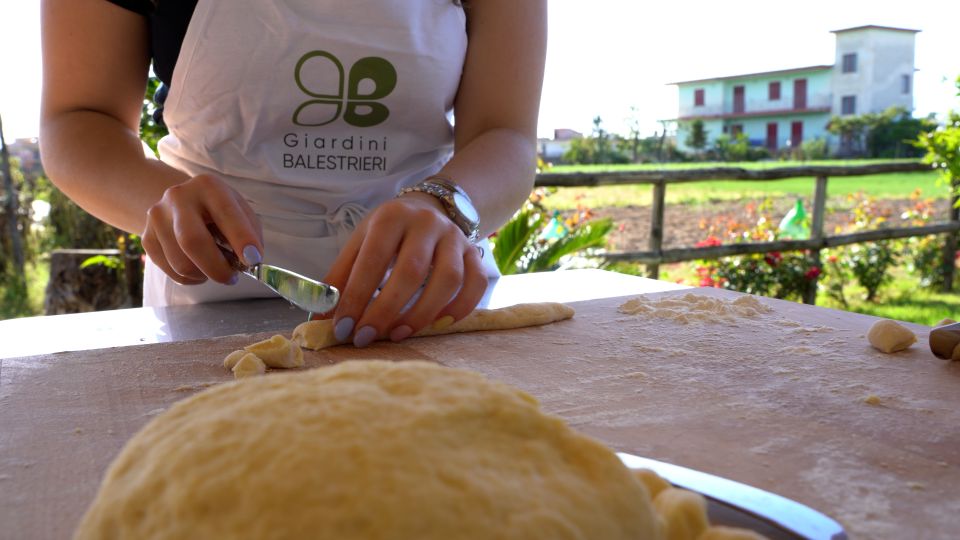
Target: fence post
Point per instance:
(656, 225)
(950, 243)
(816, 233)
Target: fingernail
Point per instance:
(443, 322)
(251, 255)
(234, 278)
(364, 336)
(342, 329)
(400, 333)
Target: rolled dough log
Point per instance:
(888, 336)
(319, 334)
(362, 450)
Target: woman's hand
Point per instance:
(179, 235)
(426, 249)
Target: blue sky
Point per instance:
(606, 56)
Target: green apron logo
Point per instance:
(359, 107)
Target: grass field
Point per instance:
(886, 186)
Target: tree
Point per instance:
(151, 131)
(851, 131)
(603, 146)
(600, 147)
(12, 211)
(892, 132)
(889, 134)
(632, 142)
(697, 138)
(942, 148)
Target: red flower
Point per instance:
(773, 258)
(812, 273)
(832, 259)
(709, 242)
(707, 282)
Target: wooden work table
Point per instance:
(778, 401)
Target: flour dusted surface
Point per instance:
(693, 307)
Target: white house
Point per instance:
(872, 71)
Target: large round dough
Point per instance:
(366, 450)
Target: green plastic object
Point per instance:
(795, 224)
(555, 229)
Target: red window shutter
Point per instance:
(774, 91)
(698, 97)
(796, 134)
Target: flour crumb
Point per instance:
(916, 486)
(636, 375)
(695, 308)
(78, 431)
(872, 400)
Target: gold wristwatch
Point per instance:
(454, 200)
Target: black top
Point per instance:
(168, 23)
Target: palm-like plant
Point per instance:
(524, 244)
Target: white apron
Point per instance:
(316, 111)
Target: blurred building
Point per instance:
(872, 71)
(552, 150)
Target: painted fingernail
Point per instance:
(234, 278)
(251, 255)
(400, 333)
(364, 336)
(443, 322)
(342, 329)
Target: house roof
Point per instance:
(874, 27)
(775, 72)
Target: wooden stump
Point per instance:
(96, 287)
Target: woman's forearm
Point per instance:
(100, 164)
(497, 169)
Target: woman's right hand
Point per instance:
(179, 235)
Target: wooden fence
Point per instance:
(655, 255)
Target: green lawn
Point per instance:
(892, 185)
(902, 300)
(13, 304)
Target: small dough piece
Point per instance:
(684, 513)
(249, 365)
(319, 334)
(888, 336)
(945, 322)
(720, 532)
(654, 482)
(234, 357)
(363, 450)
(316, 335)
(278, 352)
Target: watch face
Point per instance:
(465, 208)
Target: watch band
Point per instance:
(454, 200)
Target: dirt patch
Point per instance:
(685, 225)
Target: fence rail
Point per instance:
(655, 255)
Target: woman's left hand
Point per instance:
(413, 238)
